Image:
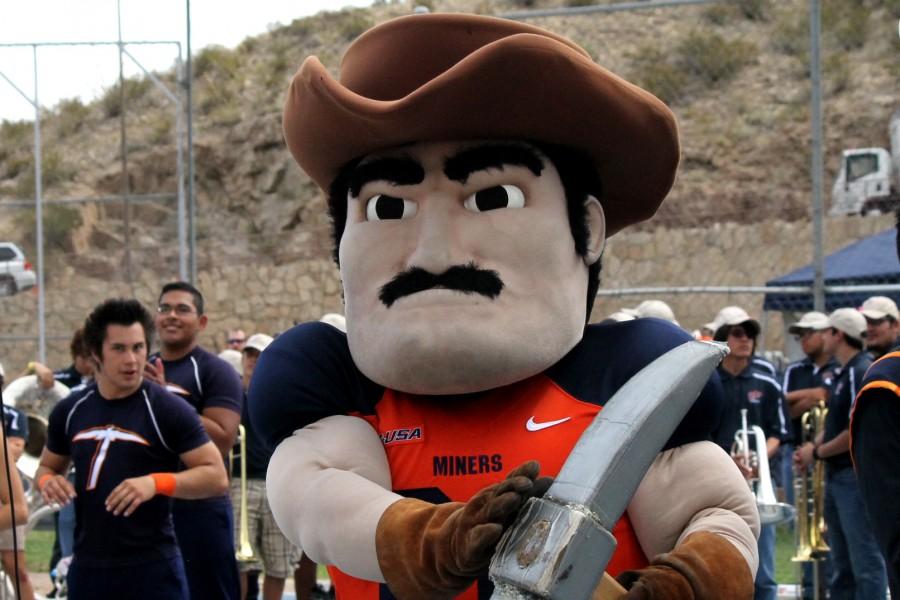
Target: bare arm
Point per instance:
(18, 495)
(44, 375)
(221, 425)
(16, 447)
(332, 471)
(695, 487)
(55, 488)
(204, 477)
(801, 401)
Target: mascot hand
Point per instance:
(436, 551)
(705, 566)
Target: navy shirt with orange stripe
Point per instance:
(875, 445)
(446, 448)
(110, 441)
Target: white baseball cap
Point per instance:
(258, 341)
(621, 315)
(656, 308)
(813, 320)
(735, 315)
(879, 307)
(850, 321)
(335, 320)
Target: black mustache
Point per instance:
(467, 278)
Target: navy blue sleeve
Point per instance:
(773, 415)
(306, 374)
(57, 439)
(611, 354)
(16, 423)
(179, 423)
(222, 386)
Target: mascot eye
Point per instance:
(499, 196)
(383, 207)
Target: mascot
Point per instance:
(475, 167)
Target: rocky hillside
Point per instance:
(735, 74)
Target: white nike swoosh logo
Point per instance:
(533, 425)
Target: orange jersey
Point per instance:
(446, 448)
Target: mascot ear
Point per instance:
(596, 222)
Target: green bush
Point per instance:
(846, 23)
(15, 132)
(352, 22)
(755, 10)
(53, 171)
(574, 3)
(709, 58)
(653, 71)
(216, 60)
(59, 221)
(134, 90)
(72, 114)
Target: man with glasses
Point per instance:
(882, 325)
(236, 339)
(857, 565)
(748, 387)
(805, 385)
(204, 527)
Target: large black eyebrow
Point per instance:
(496, 156)
(398, 170)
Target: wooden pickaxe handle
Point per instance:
(609, 589)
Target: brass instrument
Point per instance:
(809, 495)
(771, 511)
(245, 550)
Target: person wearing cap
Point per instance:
(875, 448)
(273, 553)
(882, 325)
(858, 569)
(655, 309)
(748, 387)
(470, 206)
(805, 385)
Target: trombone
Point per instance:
(771, 511)
(244, 552)
(809, 494)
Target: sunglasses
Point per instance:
(738, 333)
(236, 340)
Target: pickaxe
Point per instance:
(561, 543)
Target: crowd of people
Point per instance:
(137, 455)
(470, 211)
(839, 348)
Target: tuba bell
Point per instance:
(771, 511)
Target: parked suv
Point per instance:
(16, 274)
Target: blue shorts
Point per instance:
(205, 532)
(159, 580)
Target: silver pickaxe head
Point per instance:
(560, 544)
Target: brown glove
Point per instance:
(705, 566)
(435, 551)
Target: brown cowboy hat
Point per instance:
(445, 77)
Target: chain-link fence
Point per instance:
(739, 215)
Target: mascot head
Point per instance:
(475, 167)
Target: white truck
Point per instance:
(869, 179)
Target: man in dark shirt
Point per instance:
(858, 567)
(749, 388)
(882, 325)
(126, 437)
(272, 552)
(213, 388)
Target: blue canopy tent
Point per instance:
(872, 260)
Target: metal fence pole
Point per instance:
(39, 216)
(816, 167)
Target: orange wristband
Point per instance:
(43, 480)
(165, 483)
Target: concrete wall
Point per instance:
(257, 296)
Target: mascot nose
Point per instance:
(438, 244)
